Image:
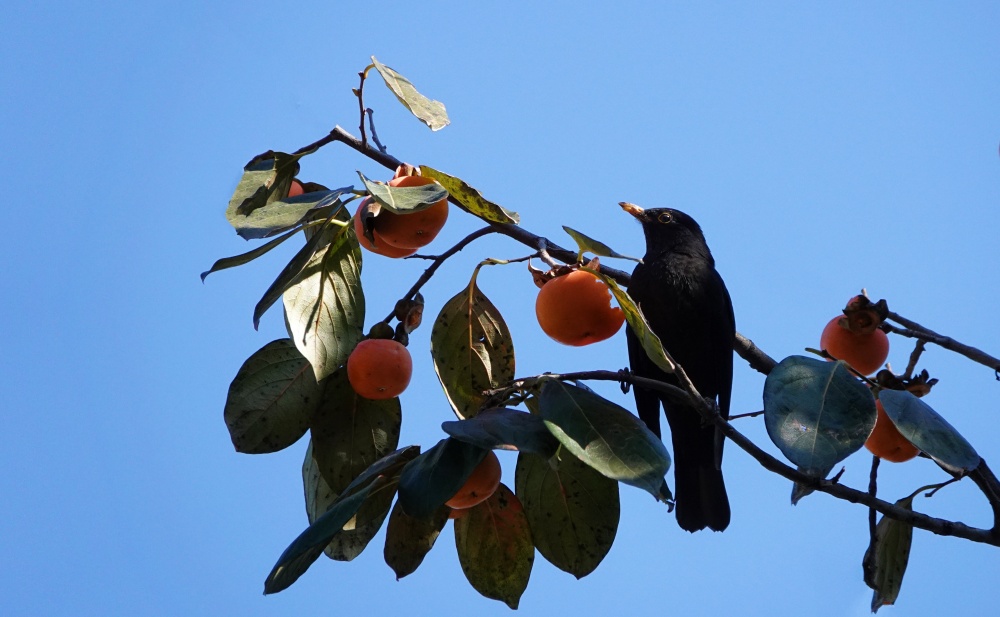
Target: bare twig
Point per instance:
(440, 259)
(915, 330)
(360, 93)
(371, 128)
(914, 358)
(752, 414)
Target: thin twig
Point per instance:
(915, 330)
(752, 414)
(440, 259)
(371, 128)
(914, 358)
(360, 92)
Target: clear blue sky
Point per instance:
(822, 150)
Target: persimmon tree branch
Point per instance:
(708, 410)
(755, 357)
(914, 330)
(440, 259)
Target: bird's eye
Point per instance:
(665, 217)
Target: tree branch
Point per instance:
(440, 259)
(914, 330)
(755, 357)
(708, 409)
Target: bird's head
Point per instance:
(668, 230)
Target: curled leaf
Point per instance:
(470, 199)
(430, 112)
(637, 322)
(596, 247)
(887, 556)
(404, 199)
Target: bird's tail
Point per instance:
(700, 491)
(702, 501)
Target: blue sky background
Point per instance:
(822, 150)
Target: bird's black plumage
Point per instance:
(687, 305)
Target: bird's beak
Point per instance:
(632, 209)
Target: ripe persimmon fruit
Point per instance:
(380, 247)
(379, 369)
(296, 188)
(482, 483)
(575, 309)
(415, 229)
(864, 351)
(886, 442)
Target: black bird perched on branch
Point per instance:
(687, 305)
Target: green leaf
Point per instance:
(435, 476)
(325, 304)
(266, 179)
(432, 113)
(603, 435)
(471, 348)
(284, 214)
(306, 548)
(637, 321)
(573, 510)
(239, 260)
(315, 240)
(350, 432)
(504, 428)
(409, 539)
(469, 199)
(359, 531)
(404, 199)
(816, 412)
(319, 496)
(390, 465)
(887, 556)
(596, 247)
(495, 548)
(271, 400)
(928, 431)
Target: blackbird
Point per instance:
(687, 305)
